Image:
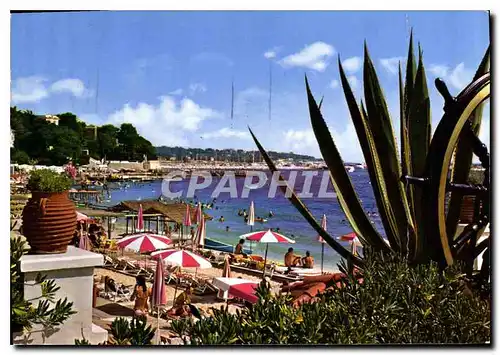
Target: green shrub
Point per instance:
(395, 304)
(45, 180)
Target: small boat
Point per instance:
(220, 246)
(350, 168)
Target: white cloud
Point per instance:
(438, 70)
(314, 56)
(168, 123)
(353, 81)
(36, 88)
(197, 87)
(29, 89)
(176, 92)
(73, 86)
(391, 64)
(352, 65)
(270, 54)
(458, 77)
(334, 84)
(304, 141)
(226, 133)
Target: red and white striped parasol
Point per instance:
(187, 217)
(84, 241)
(144, 242)
(198, 215)
(226, 273)
(158, 294)
(182, 258)
(322, 241)
(348, 237)
(80, 217)
(240, 288)
(323, 225)
(199, 238)
(266, 237)
(140, 219)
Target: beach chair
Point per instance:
(134, 269)
(110, 261)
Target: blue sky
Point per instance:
(170, 73)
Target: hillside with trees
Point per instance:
(235, 155)
(38, 141)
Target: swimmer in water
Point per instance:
(227, 228)
(221, 219)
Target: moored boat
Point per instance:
(220, 246)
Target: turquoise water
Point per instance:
(286, 217)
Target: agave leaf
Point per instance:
(406, 154)
(304, 211)
(373, 165)
(346, 195)
(383, 136)
(411, 72)
(419, 135)
(463, 158)
(321, 102)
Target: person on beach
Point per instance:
(292, 260)
(238, 250)
(141, 295)
(181, 304)
(192, 232)
(308, 261)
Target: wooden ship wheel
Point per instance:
(441, 184)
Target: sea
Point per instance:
(285, 216)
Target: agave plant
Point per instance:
(401, 204)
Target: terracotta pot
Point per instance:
(49, 222)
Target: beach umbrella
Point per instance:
(226, 272)
(348, 237)
(80, 217)
(199, 239)
(237, 287)
(158, 294)
(140, 219)
(181, 258)
(84, 242)
(251, 219)
(198, 216)
(187, 217)
(144, 242)
(266, 237)
(322, 241)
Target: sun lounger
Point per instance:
(298, 271)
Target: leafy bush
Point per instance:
(395, 304)
(135, 332)
(45, 180)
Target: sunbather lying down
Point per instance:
(181, 304)
(308, 290)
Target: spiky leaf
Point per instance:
(383, 135)
(304, 211)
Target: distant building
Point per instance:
(152, 165)
(50, 119)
